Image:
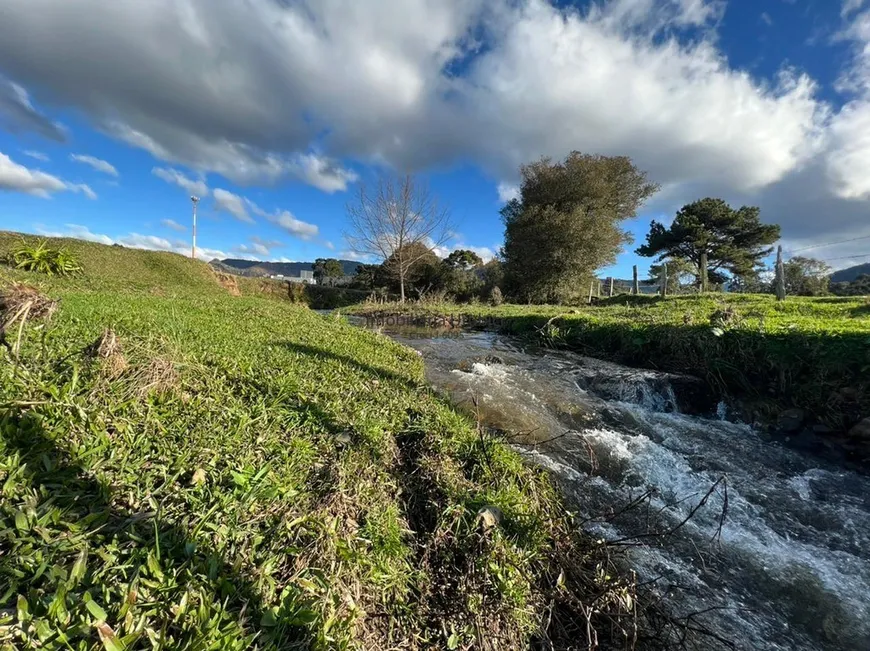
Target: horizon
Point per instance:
(275, 115)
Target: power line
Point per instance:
(847, 257)
(819, 246)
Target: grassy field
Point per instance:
(181, 468)
(809, 353)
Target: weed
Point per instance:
(41, 258)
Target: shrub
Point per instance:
(495, 297)
(43, 259)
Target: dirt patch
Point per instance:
(229, 283)
(108, 351)
(19, 304)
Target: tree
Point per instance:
(366, 276)
(463, 259)
(714, 237)
(425, 273)
(325, 269)
(858, 287)
(806, 276)
(399, 221)
(566, 223)
(679, 270)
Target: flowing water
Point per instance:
(779, 552)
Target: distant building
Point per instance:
(305, 277)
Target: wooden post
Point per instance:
(703, 272)
(610, 289)
(591, 290)
(664, 279)
(635, 286)
(780, 275)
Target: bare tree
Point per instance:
(400, 221)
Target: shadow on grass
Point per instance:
(375, 372)
(84, 505)
(861, 310)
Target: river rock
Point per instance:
(467, 365)
(861, 431)
(791, 420)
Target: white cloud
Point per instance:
(353, 255)
(134, 241)
(83, 189)
(298, 228)
(37, 155)
(174, 225)
(233, 204)
(18, 178)
(418, 83)
(76, 231)
(191, 186)
(97, 163)
(508, 191)
(850, 7)
(323, 173)
(258, 247)
(17, 113)
(329, 245)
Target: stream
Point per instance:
(788, 564)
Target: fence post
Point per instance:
(780, 275)
(635, 286)
(664, 279)
(703, 271)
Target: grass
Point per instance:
(811, 353)
(181, 468)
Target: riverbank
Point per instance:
(800, 363)
(184, 467)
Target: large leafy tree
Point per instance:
(566, 223)
(806, 276)
(463, 259)
(326, 269)
(711, 234)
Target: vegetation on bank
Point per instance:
(184, 468)
(808, 353)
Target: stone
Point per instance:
(490, 516)
(861, 431)
(343, 438)
(791, 420)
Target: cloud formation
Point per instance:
(233, 204)
(134, 241)
(191, 186)
(174, 225)
(418, 83)
(17, 113)
(96, 163)
(15, 177)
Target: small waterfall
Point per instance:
(789, 566)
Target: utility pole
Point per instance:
(194, 200)
(635, 287)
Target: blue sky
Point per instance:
(110, 115)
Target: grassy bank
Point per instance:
(182, 468)
(808, 353)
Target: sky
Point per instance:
(274, 112)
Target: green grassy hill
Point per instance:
(120, 269)
(181, 468)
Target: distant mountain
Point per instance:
(849, 274)
(257, 268)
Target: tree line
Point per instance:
(567, 222)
